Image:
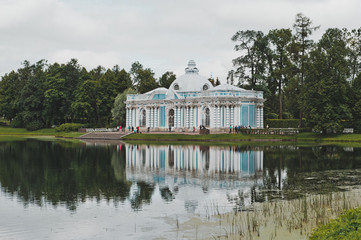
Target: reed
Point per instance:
(269, 220)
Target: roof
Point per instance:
(191, 81)
(227, 87)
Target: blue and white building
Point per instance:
(191, 101)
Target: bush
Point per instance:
(282, 123)
(347, 226)
(287, 115)
(34, 125)
(17, 122)
(68, 127)
(271, 116)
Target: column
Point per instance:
(232, 115)
(218, 116)
(261, 117)
(153, 119)
(156, 117)
(226, 110)
(131, 118)
(258, 111)
(193, 124)
(126, 117)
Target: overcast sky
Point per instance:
(161, 34)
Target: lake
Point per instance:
(54, 189)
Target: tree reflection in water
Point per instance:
(58, 172)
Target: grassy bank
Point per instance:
(301, 137)
(8, 131)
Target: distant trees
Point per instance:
(41, 94)
(166, 79)
(319, 81)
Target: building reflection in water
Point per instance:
(172, 165)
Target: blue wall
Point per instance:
(251, 115)
(158, 96)
(244, 116)
(162, 116)
(248, 117)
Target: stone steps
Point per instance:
(103, 135)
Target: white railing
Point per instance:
(101, 130)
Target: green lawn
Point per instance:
(43, 132)
(301, 137)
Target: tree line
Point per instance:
(303, 79)
(319, 81)
(42, 95)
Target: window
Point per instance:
(171, 118)
(144, 119)
(176, 87)
(208, 118)
(205, 87)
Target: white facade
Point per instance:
(191, 101)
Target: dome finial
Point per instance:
(191, 67)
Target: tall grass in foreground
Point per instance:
(297, 218)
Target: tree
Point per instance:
(251, 65)
(136, 66)
(85, 104)
(9, 93)
(303, 27)
(326, 88)
(122, 78)
(166, 79)
(31, 99)
(145, 80)
(356, 103)
(55, 107)
(354, 45)
(118, 110)
(281, 38)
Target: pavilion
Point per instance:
(191, 101)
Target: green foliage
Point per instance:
(345, 227)
(166, 79)
(287, 115)
(326, 88)
(118, 110)
(69, 127)
(34, 125)
(282, 123)
(271, 116)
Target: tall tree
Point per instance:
(31, 100)
(10, 85)
(251, 65)
(354, 45)
(122, 78)
(304, 28)
(281, 38)
(146, 80)
(326, 88)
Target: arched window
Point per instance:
(208, 118)
(143, 121)
(171, 118)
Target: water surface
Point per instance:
(66, 190)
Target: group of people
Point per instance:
(237, 129)
(133, 130)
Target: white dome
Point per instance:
(191, 81)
